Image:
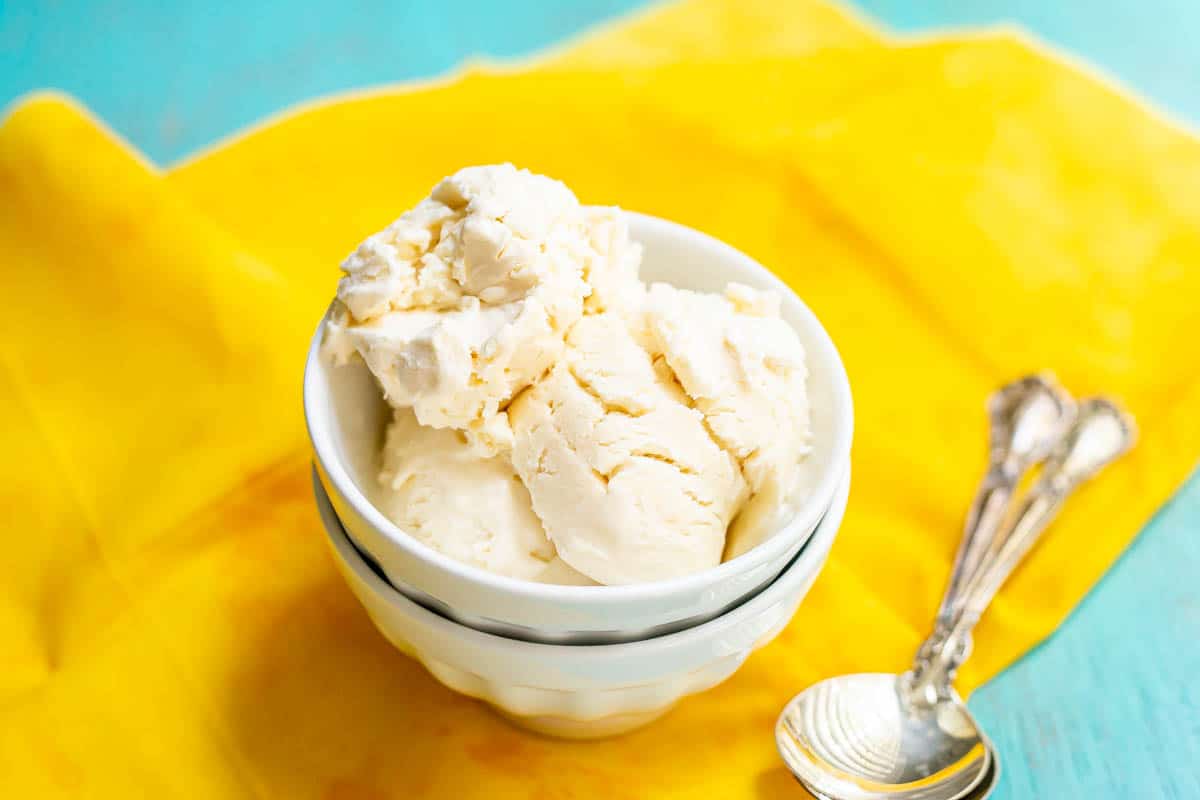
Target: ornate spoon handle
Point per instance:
(1027, 418)
(1100, 434)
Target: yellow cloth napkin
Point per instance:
(957, 211)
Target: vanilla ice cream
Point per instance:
(466, 299)
(621, 469)
(743, 368)
(474, 510)
(556, 420)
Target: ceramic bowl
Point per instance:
(582, 691)
(346, 419)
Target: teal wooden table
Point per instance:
(1110, 706)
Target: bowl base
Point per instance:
(567, 728)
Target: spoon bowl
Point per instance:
(859, 737)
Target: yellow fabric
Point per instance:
(957, 212)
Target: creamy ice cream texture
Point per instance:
(473, 509)
(743, 368)
(619, 465)
(466, 299)
(556, 420)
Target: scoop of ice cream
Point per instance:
(743, 368)
(466, 299)
(472, 509)
(627, 480)
(611, 264)
(555, 420)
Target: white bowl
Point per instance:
(582, 691)
(346, 418)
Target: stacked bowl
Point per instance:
(580, 661)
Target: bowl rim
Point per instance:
(816, 339)
(809, 560)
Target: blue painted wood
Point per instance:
(1109, 707)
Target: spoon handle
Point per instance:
(1026, 418)
(1100, 433)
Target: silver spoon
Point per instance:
(878, 736)
(1027, 418)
